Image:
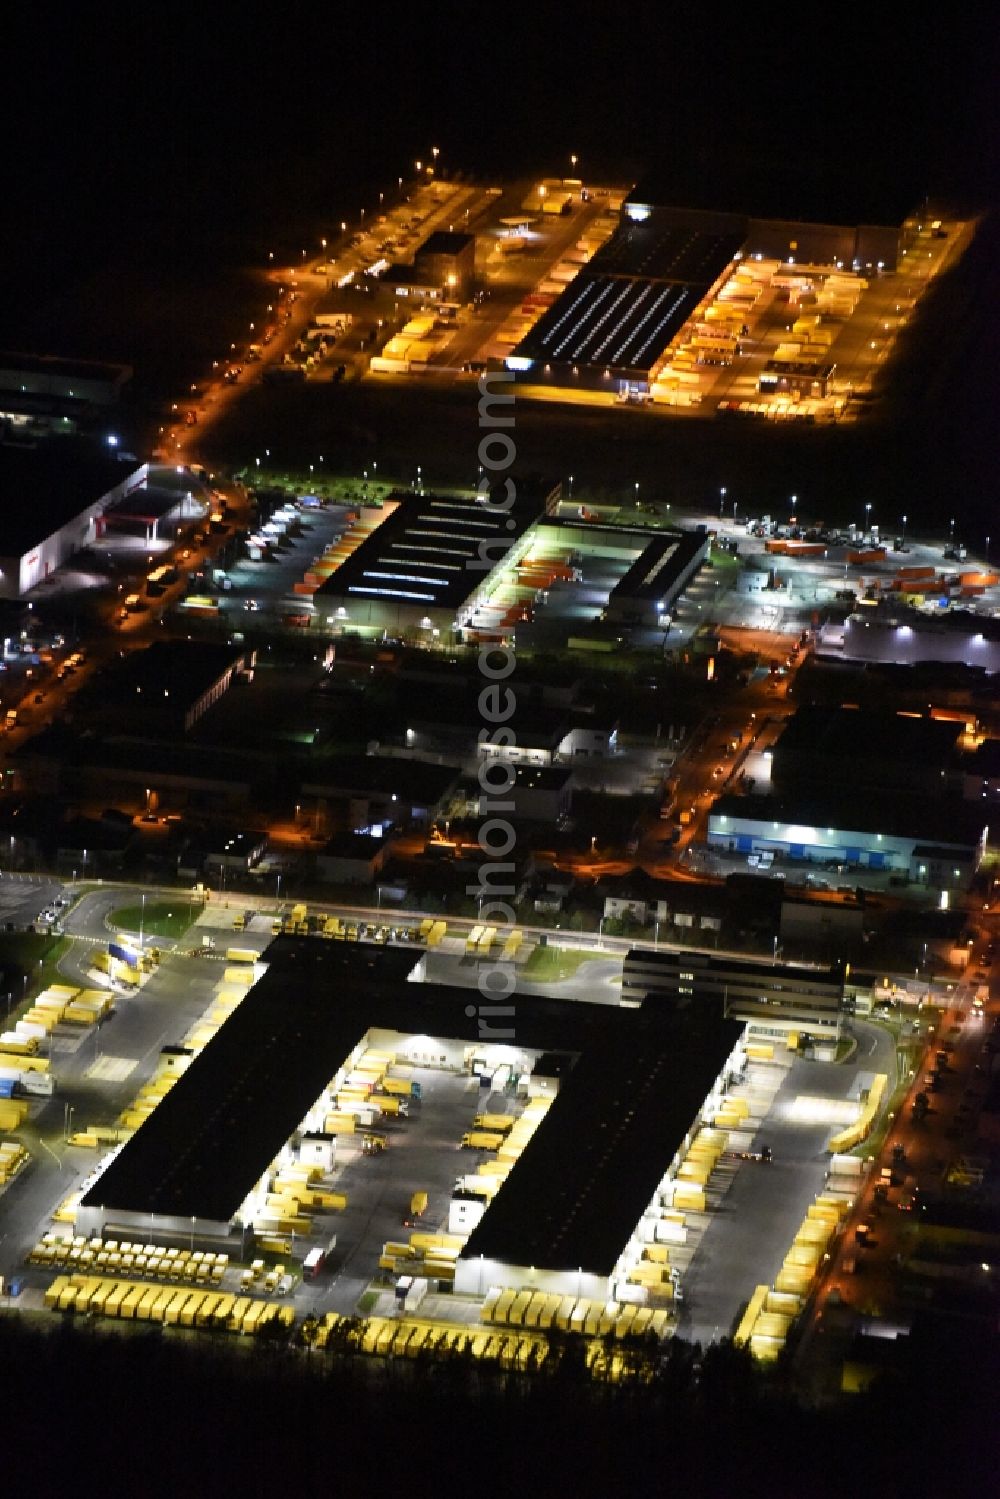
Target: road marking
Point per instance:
(111, 1069)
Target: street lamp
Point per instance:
(571, 486)
(903, 537)
(722, 499)
(868, 511)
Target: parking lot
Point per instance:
(424, 1154)
(755, 1207)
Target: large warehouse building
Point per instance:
(864, 749)
(930, 842)
(788, 220)
(630, 1088)
(616, 317)
(611, 327)
(60, 497)
(424, 571)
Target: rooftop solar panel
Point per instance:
(627, 306)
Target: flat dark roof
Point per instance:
(612, 322)
(626, 307)
(141, 756)
(413, 780)
(541, 777)
(903, 816)
(209, 1140)
(984, 760)
(820, 370)
(850, 734)
(665, 558)
(775, 188)
(401, 274)
(589, 1172)
(445, 242)
(184, 668)
(42, 488)
(428, 551)
(578, 1190)
(62, 369)
(651, 250)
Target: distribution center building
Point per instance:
(617, 316)
(63, 495)
(426, 568)
(611, 327)
(54, 499)
(926, 840)
(631, 1085)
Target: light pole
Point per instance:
(571, 486)
(987, 551)
(868, 512)
(142, 916)
(903, 537)
(722, 499)
(68, 1112)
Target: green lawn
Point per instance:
(158, 918)
(35, 954)
(549, 965)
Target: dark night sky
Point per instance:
(150, 156)
(198, 127)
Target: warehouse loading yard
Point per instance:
(601, 296)
(377, 1191)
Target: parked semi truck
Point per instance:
(482, 1140)
(497, 1124)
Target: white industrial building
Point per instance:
(921, 839)
(60, 497)
(959, 638)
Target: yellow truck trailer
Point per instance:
(497, 1124)
(482, 1140)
